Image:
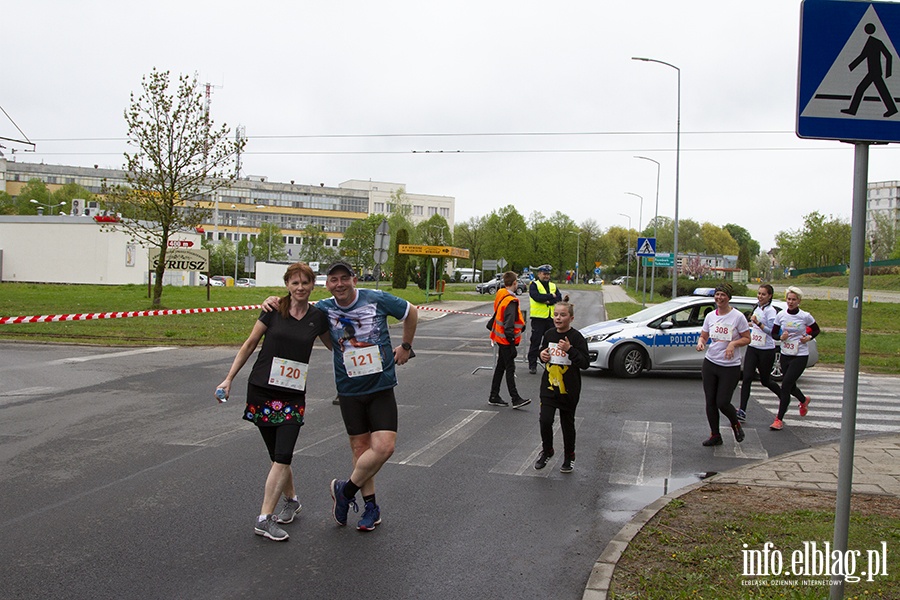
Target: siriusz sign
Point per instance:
(181, 259)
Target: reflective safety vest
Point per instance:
(539, 310)
(498, 333)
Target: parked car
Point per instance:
(595, 282)
(621, 280)
(321, 279)
(218, 280)
(664, 337)
(491, 286)
(245, 282)
(202, 279)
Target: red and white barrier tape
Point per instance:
(161, 313)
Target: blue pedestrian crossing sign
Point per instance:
(849, 77)
(646, 246)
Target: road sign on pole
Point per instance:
(646, 246)
(847, 88)
(664, 259)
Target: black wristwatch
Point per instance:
(406, 346)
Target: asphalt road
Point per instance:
(122, 478)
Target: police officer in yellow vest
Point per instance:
(506, 331)
(544, 295)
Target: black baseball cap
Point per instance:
(340, 265)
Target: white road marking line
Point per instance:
(81, 359)
(447, 435)
(644, 453)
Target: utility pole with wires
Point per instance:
(239, 135)
(26, 141)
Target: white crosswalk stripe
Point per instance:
(877, 408)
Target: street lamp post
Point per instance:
(655, 224)
(43, 206)
(627, 250)
(640, 228)
(677, 169)
(237, 243)
(577, 253)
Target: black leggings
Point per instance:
(280, 441)
(792, 367)
(718, 386)
(762, 361)
(567, 424)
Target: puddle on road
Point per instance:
(629, 499)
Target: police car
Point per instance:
(664, 336)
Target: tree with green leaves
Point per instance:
(313, 240)
(883, 236)
(179, 159)
(68, 192)
(36, 190)
(717, 240)
(358, 245)
(8, 204)
(821, 242)
(269, 244)
(507, 238)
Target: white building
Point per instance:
(882, 197)
(65, 249)
(422, 206)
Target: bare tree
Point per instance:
(179, 160)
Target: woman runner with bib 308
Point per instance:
(795, 328)
(725, 331)
(276, 390)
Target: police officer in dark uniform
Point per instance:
(543, 294)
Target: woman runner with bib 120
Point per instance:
(276, 389)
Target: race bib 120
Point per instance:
(288, 373)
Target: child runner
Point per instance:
(564, 352)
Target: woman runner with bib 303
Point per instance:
(276, 390)
(725, 331)
(795, 328)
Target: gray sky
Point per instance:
(293, 73)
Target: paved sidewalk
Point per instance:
(876, 470)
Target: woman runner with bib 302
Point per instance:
(276, 390)
(760, 354)
(795, 328)
(725, 332)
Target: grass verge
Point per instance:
(694, 547)
(208, 329)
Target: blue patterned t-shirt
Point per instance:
(361, 325)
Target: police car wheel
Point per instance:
(629, 361)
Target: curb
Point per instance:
(597, 587)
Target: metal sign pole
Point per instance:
(851, 359)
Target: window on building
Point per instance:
(378, 207)
(445, 212)
(418, 210)
(432, 210)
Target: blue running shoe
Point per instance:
(341, 504)
(371, 517)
